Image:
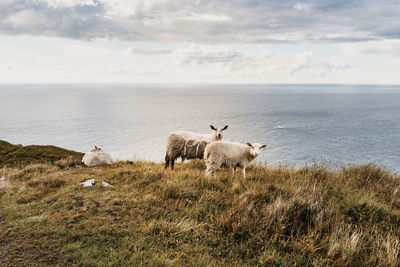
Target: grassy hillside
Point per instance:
(276, 217)
(11, 155)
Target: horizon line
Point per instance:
(200, 84)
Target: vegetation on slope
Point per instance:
(11, 155)
(151, 216)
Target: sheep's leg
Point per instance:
(166, 161)
(244, 172)
(210, 170)
(172, 164)
(233, 172)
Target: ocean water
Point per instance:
(301, 124)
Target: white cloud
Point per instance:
(203, 22)
(207, 54)
(8, 67)
(208, 17)
(396, 61)
(208, 40)
(123, 7)
(223, 60)
(307, 61)
(307, 7)
(332, 65)
(69, 3)
(27, 19)
(58, 60)
(303, 60)
(150, 52)
(389, 47)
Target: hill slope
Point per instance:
(21, 155)
(282, 216)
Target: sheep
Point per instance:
(97, 157)
(230, 155)
(189, 145)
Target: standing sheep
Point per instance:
(230, 155)
(97, 157)
(190, 145)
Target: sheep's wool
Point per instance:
(229, 155)
(97, 158)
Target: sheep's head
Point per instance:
(96, 149)
(218, 135)
(255, 148)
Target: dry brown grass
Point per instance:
(151, 216)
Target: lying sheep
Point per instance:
(190, 145)
(97, 157)
(230, 155)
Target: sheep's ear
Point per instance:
(212, 127)
(226, 127)
(249, 145)
(263, 146)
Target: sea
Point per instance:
(302, 125)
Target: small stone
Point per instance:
(105, 184)
(2, 179)
(88, 183)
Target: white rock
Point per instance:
(105, 184)
(2, 179)
(88, 183)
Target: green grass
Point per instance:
(155, 217)
(12, 155)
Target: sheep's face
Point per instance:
(218, 132)
(255, 148)
(96, 149)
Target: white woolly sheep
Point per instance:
(190, 145)
(230, 155)
(97, 157)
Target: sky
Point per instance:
(194, 41)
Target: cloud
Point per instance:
(208, 17)
(203, 22)
(69, 3)
(396, 61)
(382, 47)
(224, 60)
(28, 19)
(8, 67)
(149, 52)
(332, 65)
(321, 68)
(207, 54)
(303, 60)
(307, 7)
